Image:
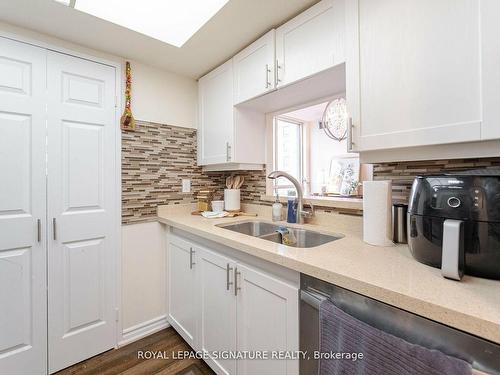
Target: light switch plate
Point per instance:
(186, 185)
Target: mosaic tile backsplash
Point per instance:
(156, 157)
(403, 173)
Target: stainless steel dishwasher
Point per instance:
(482, 354)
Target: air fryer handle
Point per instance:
(453, 256)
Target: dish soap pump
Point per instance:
(277, 209)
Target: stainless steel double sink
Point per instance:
(267, 231)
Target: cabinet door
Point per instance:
(267, 320)
(413, 72)
(23, 251)
(182, 288)
(81, 208)
(217, 308)
(490, 49)
(254, 69)
(311, 42)
(216, 123)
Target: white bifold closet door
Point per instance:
(81, 210)
(23, 309)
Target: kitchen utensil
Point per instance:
(127, 121)
(236, 182)
(229, 182)
(232, 199)
(239, 182)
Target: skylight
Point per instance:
(171, 21)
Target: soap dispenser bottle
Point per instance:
(277, 209)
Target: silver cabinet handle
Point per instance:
(268, 82)
(228, 151)
(236, 287)
(191, 263)
(39, 230)
(278, 68)
(228, 270)
(350, 142)
(54, 229)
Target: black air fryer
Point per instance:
(454, 223)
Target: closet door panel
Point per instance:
(81, 187)
(23, 317)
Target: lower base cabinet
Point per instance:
(181, 298)
(238, 308)
(217, 312)
(267, 320)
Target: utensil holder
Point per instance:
(232, 199)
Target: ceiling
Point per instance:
(307, 114)
(235, 26)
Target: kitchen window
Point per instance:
(302, 148)
(288, 156)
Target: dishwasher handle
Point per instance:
(312, 298)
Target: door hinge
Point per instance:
(116, 101)
(117, 314)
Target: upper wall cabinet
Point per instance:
(311, 42)
(422, 72)
(254, 69)
(229, 138)
(215, 131)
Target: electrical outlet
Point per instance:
(186, 185)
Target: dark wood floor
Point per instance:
(125, 360)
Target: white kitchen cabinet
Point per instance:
(414, 71)
(229, 138)
(182, 303)
(222, 303)
(216, 127)
(490, 55)
(311, 42)
(267, 320)
(254, 73)
(217, 308)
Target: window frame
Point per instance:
(303, 177)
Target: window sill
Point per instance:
(333, 202)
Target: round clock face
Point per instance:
(335, 119)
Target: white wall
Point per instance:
(143, 279)
(322, 150)
(163, 97)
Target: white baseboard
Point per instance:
(144, 329)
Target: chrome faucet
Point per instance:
(301, 213)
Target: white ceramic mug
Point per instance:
(232, 199)
(217, 206)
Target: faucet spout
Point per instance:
(300, 193)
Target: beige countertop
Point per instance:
(388, 274)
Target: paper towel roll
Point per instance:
(377, 213)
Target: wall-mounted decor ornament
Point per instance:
(127, 121)
(334, 121)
